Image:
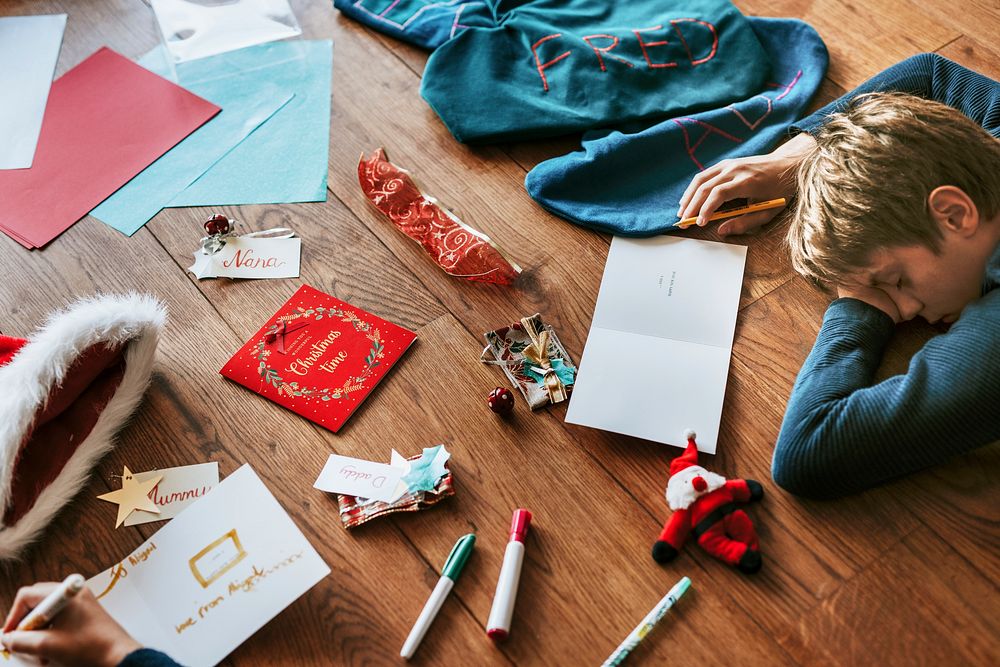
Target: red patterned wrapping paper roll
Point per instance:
(458, 249)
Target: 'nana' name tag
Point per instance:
(244, 257)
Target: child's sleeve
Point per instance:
(930, 76)
(842, 433)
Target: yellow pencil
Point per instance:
(733, 212)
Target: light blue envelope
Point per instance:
(286, 159)
(244, 109)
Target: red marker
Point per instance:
(498, 626)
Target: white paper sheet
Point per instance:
(657, 357)
(205, 582)
(29, 49)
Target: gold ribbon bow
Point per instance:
(538, 354)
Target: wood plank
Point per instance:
(868, 621)
(863, 38)
(975, 54)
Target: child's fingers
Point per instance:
(27, 643)
(697, 189)
(696, 183)
(746, 223)
(27, 598)
(719, 195)
(704, 191)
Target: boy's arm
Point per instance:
(842, 434)
(930, 76)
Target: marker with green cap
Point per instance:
(449, 573)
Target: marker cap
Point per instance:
(459, 555)
(519, 525)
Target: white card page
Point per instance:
(657, 357)
(205, 582)
(29, 49)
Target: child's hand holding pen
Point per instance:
(64, 623)
(760, 177)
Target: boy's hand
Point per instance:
(82, 634)
(757, 178)
(873, 296)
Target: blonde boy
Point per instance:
(898, 207)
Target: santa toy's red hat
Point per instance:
(67, 391)
(689, 457)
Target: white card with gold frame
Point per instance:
(205, 582)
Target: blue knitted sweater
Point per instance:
(842, 432)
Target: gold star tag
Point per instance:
(132, 496)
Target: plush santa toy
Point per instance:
(66, 392)
(705, 504)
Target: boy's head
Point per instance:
(902, 194)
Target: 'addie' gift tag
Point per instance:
(247, 257)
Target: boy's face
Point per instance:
(920, 282)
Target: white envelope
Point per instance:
(657, 357)
(29, 49)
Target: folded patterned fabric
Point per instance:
(356, 511)
(424, 23)
(507, 70)
(515, 349)
(629, 182)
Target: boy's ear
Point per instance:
(953, 209)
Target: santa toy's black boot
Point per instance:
(750, 563)
(663, 552)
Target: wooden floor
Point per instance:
(906, 574)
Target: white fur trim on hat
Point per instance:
(133, 320)
(681, 493)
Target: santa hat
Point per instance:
(689, 457)
(67, 391)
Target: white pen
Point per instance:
(53, 603)
(498, 626)
(449, 573)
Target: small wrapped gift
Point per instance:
(533, 358)
(427, 482)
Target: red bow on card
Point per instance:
(283, 330)
(460, 250)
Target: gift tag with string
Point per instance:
(272, 253)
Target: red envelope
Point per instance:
(319, 357)
(106, 120)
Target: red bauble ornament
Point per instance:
(218, 224)
(501, 401)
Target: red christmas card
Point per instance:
(319, 357)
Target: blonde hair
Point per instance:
(865, 184)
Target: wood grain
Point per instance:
(903, 574)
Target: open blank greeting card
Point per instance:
(657, 357)
(204, 583)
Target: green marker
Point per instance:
(449, 573)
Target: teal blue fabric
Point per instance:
(630, 183)
(552, 67)
(424, 23)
